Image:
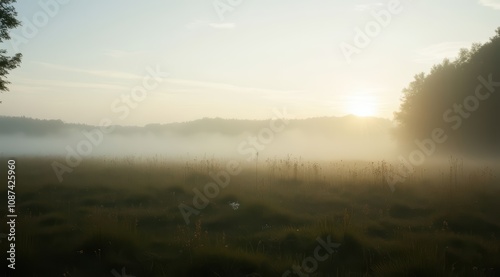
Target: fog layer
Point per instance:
(321, 138)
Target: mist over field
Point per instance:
(331, 138)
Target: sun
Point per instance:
(361, 102)
(362, 108)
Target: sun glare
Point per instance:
(362, 108)
(361, 103)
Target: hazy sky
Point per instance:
(81, 57)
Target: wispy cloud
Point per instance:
(438, 52)
(174, 84)
(29, 84)
(115, 53)
(494, 4)
(100, 73)
(366, 7)
(200, 24)
(193, 84)
(225, 25)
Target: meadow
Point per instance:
(121, 217)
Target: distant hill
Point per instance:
(316, 138)
(328, 126)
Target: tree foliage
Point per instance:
(8, 21)
(430, 101)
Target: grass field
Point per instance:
(121, 217)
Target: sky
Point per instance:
(85, 61)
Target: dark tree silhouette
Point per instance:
(430, 101)
(7, 21)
